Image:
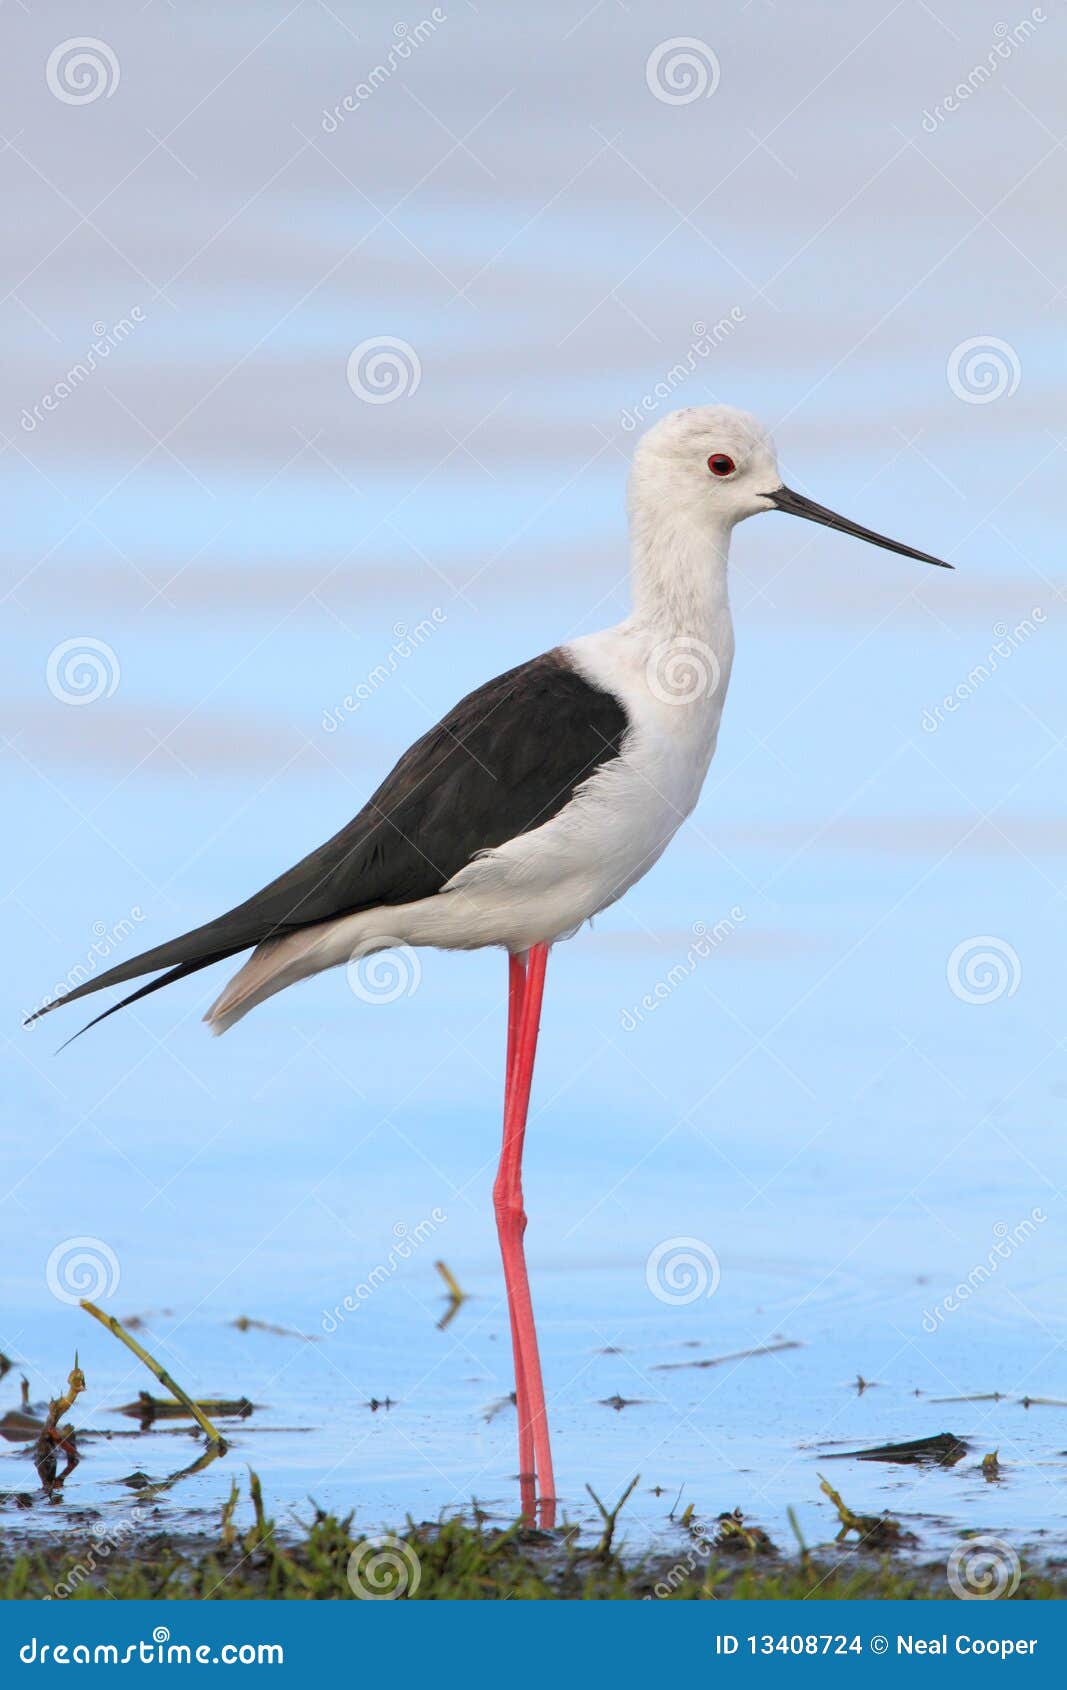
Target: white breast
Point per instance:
(547, 882)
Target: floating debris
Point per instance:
(738, 1355)
(6, 1364)
(456, 1295)
(148, 1408)
(153, 1366)
(244, 1323)
(138, 1322)
(499, 1403)
(54, 1437)
(991, 1466)
(20, 1423)
(735, 1538)
(983, 1396)
(944, 1450)
(875, 1531)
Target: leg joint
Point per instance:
(509, 1208)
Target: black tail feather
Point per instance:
(182, 956)
(173, 974)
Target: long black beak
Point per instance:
(797, 504)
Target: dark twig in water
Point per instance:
(497, 1404)
(244, 1323)
(738, 1355)
(943, 1450)
(22, 1422)
(981, 1396)
(148, 1408)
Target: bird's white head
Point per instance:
(701, 470)
(709, 466)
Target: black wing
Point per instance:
(506, 759)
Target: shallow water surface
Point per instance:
(389, 1415)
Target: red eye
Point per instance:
(720, 464)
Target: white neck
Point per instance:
(679, 577)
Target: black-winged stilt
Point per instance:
(535, 803)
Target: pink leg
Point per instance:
(525, 997)
(527, 1482)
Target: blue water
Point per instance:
(812, 1102)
